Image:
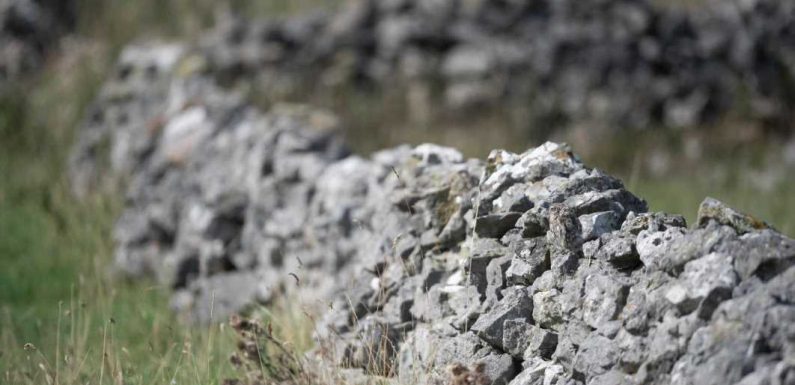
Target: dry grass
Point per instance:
(78, 345)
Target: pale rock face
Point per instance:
(653, 246)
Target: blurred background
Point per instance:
(681, 99)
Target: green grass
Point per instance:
(683, 195)
(64, 317)
(727, 171)
(58, 296)
(83, 325)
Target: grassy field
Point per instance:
(65, 319)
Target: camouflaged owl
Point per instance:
(564, 228)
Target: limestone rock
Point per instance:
(714, 210)
(528, 263)
(618, 250)
(515, 304)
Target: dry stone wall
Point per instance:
(532, 267)
(620, 63)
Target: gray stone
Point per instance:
(549, 280)
(533, 225)
(565, 352)
(704, 284)
(610, 329)
(528, 263)
(430, 305)
(596, 224)
(467, 62)
(672, 249)
(653, 222)
(466, 305)
(495, 225)
(513, 238)
(633, 351)
(635, 314)
(590, 248)
(499, 368)
(564, 262)
(571, 299)
(540, 343)
(513, 199)
(653, 246)
(555, 374)
(714, 210)
(429, 239)
(484, 252)
(763, 253)
(612, 377)
(516, 336)
(495, 277)
(604, 298)
(430, 276)
(398, 308)
(618, 250)
(515, 304)
(431, 154)
(596, 356)
(617, 200)
(547, 310)
(576, 332)
(465, 348)
(533, 375)
(431, 348)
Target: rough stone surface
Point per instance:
(515, 305)
(230, 206)
(712, 209)
(530, 261)
(619, 250)
(541, 343)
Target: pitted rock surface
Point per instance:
(534, 265)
